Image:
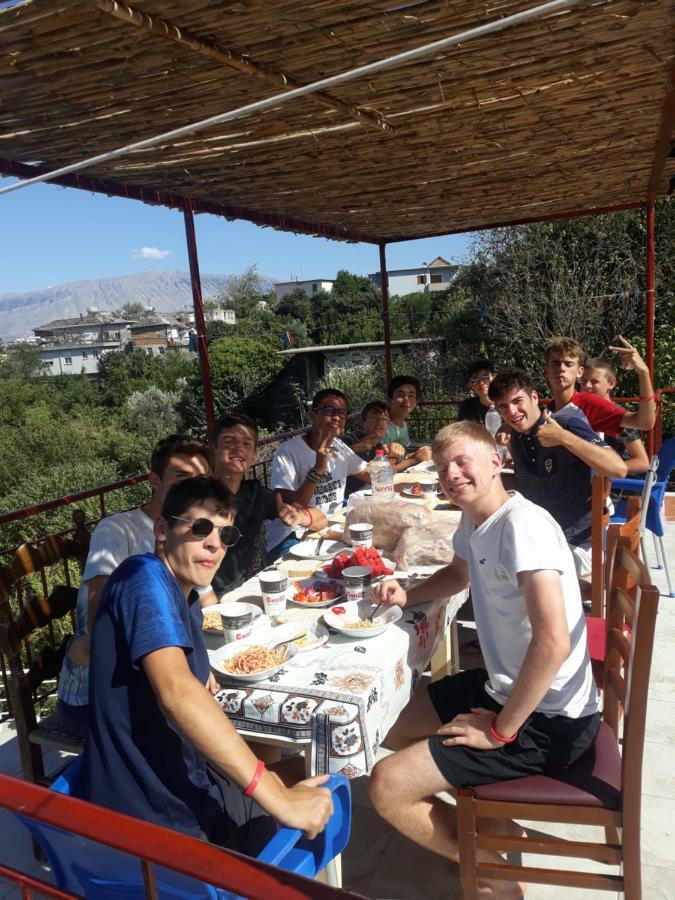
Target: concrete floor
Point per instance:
(381, 864)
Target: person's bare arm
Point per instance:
(644, 416)
(79, 647)
(549, 648)
(447, 582)
(638, 461)
(600, 458)
(190, 708)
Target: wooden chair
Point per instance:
(27, 671)
(602, 788)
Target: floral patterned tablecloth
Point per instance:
(345, 696)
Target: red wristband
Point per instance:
(257, 775)
(500, 737)
(648, 399)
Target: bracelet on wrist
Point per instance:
(254, 782)
(500, 737)
(201, 591)
(313, 476)
(647, 399)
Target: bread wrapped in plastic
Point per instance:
(388, 518)
(425, 545)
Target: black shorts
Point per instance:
(544, 743)
(245, 826)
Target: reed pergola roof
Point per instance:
(569, 113)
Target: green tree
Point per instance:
(133, 311)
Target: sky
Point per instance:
(51, 235)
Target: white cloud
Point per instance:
(150, 253)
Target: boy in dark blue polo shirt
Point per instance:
(554, 458)
(155, 729)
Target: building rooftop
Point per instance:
(94, 319)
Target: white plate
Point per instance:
(359, 610)
(307, 549)
(316, 634)
(306, 582)
(299, 614)
(220, 657)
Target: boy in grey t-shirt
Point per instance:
(534, 708)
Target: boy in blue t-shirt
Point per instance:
(159, 747)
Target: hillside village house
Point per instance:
(154, 333)
(75, 358)
(95, 326)
(309, 286)
(434, 276)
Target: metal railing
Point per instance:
(152, 846)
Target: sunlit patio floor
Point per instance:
(380, 864)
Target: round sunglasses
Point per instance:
(202, 528)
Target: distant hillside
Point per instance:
(167, 291)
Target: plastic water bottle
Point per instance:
(381, 477)
(493, 420)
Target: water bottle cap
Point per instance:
(379, 453)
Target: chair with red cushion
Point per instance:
(602, 788)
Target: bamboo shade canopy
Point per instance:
(571, 112)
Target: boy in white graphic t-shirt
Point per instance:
(311, 470)
(533, 708)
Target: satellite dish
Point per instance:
(92, 310)
(149, 309)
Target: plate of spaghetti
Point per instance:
(251, 661)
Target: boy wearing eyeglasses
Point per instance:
(478, 378)
(159, 747)
(311, 470)
(116, 537)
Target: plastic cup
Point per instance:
(361, 534)
(273, 587)
(357, 582)
(237, 619)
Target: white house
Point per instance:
(76, 358)
(434, 276)
(310, 286)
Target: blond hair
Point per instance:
(601, 365)
(472, 431)
(565, 346)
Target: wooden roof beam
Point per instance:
(664, 138)
(168, 31)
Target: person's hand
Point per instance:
(423, 454)
(502, 438)
(307, 806)
(471, 730)
(291, 515)
(629, 356)
(550, 433)
(78, 650)
(211, 684)
(324, 452)
(390, 593)
(395, 449)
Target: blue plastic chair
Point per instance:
(654, 518)
(82, 866)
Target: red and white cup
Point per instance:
(273, 587)
(357, 582)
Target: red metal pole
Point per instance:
(204, 365)
(384, 283)
(650, 304)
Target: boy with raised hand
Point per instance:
(564, 369)
(554, 457)
(311, 469)
(159, 746)
(234, 438)
(600, 378)
(533, 709)
(116, 537)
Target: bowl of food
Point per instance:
(351, 619)
(315, 593)
(252, 660)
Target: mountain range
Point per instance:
(166, 291)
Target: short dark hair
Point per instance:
(374, 404)
(321, 395)
(509, 380)
(231, 420)
(177, 445)
(198, 490)
(477, 366)
(399, 381)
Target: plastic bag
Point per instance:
(425, 545)
(389, 519)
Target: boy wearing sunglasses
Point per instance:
(116, 537)
(159, 747)
(311, 470)
(234, 438)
